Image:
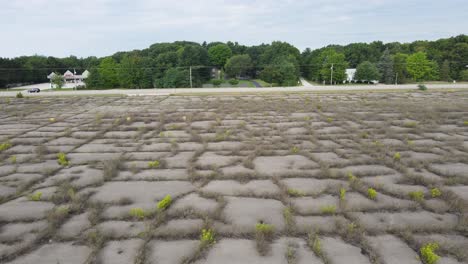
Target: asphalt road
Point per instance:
(148, 92)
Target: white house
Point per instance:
(71, 77)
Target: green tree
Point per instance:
(386, 68)
(174, 78)
(108, 73)
(420, 68)
(238, 65)
(399, 68)
(445, 71)
(57, 80)
(132, 73)
(464, 75)
(219, 54)
(94, 80)
(283, 71)
(332, 60)
(367, 71)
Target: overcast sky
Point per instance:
(103, 27)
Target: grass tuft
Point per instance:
(428, 253)
(435, 192)
(417, 196)
(35, 196)
(295, 193)
(397, 156)
(62, 159)
(263, 236)
(328, 209)
(207, 237)
(342, 194)
(138, 213)
(154, 164)
(164, 203)
(4, 146)
(372, 193)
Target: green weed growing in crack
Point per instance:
(164, 203)
(372, 193)
(35, 196)
(62, 159)
(417, 196)
(263, 236)
(428, 254)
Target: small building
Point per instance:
(71, 77)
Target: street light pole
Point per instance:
(191, 77)
(331, 77)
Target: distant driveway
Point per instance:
(257, 84)
(305, 83)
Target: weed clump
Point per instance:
(62, 159)
(397, 156)
(315, 244)
(465, 123)
(207, 237)
(13, 159)
(435, 192)
(164, 203)
(295, 150)
(417, 196)
(372, 193)
(4, 146)
(35, 196)
(295, 193)
(154, 164)
(19, 95)
(138, 213)
(263, 235)
(410, 124)
(427, 253)
(328, 209)
(342, 194)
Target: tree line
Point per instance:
(183, 63)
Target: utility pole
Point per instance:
(396, 78)
(331, 77)
(191, 77)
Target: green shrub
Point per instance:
(216, 83)
(397, 156)
(328, 209)
(417, 196)
(372, 193)
(233, 82)
(4, 146)
(422, 87)
(35, 196)
(427, 253)
(207, 237)
(295, 193)
(139, 213)
(164, 203)
(435, 192)
(154, 164)
(342, 194)
(62, 159)
(19, 95)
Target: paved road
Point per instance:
(257, 85)
(144, 92)
(306, 83)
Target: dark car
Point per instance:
(34, 90)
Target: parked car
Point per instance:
(34, 90)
